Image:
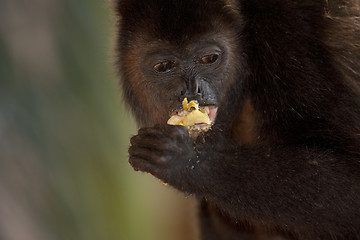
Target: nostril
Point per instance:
(181, 93)
(198, 91)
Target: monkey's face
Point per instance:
(160, 74)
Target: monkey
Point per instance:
(282, 159)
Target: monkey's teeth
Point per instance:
(207, 109)
(212, 113)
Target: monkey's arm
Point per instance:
(290, 187)
(283, 187)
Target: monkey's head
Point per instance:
(169, 50)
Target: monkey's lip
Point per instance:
(211, 110)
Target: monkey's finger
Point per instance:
(173, 131)
(140, 164)
(152, 157)
(155, 144)
(165, 130)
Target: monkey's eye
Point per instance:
(209, 59)
(164, 67)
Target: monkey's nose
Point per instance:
(192, 89)
(191, 95)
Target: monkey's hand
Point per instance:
(165, 151)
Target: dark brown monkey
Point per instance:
(283, 157)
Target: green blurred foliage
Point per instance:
(64, 132)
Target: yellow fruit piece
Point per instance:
(195, 117)
(190, 117)
(176, 120)
(187, 106)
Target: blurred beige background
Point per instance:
(64, 133)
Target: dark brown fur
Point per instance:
(283, 158)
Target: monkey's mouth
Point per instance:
(210, 110)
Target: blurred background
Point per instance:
(64, 133)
